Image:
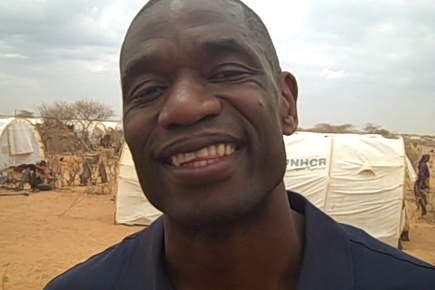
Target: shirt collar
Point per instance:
(326, 261)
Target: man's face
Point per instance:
(202, 112)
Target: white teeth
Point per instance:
(221, 149)
(202, 153)
(175, 161)
(229, 150)
(181, 158)
(212, 151)
(189, 156)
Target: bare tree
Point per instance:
(65, 113)
(60, 117)
(333, 129)
(371, 128)
(62, 113)
(90, 111)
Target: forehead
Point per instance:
(187, 23)
(188, 14)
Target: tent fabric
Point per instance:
(113, 125)
(410, 170)
(20, 143)
(19, 139)
(308, 166)
(356, 179)
(132, 207)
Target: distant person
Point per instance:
(28, 172)
(205, 106)
(43, 171)
(432, 157)
(422, 184)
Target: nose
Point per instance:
(187, 103)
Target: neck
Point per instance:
(263, 254)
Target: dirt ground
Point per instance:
(46, 233)
(37, 242)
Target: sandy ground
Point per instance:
(38, 242)
(42, 235)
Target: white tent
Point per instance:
(96, 129)
(113, 126)
(132, 207)
(20, 143)
(36, 121)
(356, 179)
(79, 126)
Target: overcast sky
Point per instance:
(356, 61)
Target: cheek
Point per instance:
(257, 105)
(138, 126)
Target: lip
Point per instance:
(194, 142)
(220, 170)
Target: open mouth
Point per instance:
(203, 157)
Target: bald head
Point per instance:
(252, 22)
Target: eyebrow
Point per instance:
(138, 64)
(230, 45)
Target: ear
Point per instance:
(288, 100)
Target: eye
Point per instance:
(154, 90)
(227, 75)
(149, 92)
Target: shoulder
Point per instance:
(380, 266)
(101, 271)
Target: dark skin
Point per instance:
(193, 76)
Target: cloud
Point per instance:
(380, 55)
(12, 55)
(332, 75)
(355, 61)
(61, 50)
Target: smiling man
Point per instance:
(205, 108)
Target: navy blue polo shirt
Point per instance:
(336, 257)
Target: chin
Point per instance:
(216, 214)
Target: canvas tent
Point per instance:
(36, 121)
(96, 129)
(20, 143)
(113, 126)
(132, 207)
(356, 179)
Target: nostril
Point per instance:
(183, 109)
